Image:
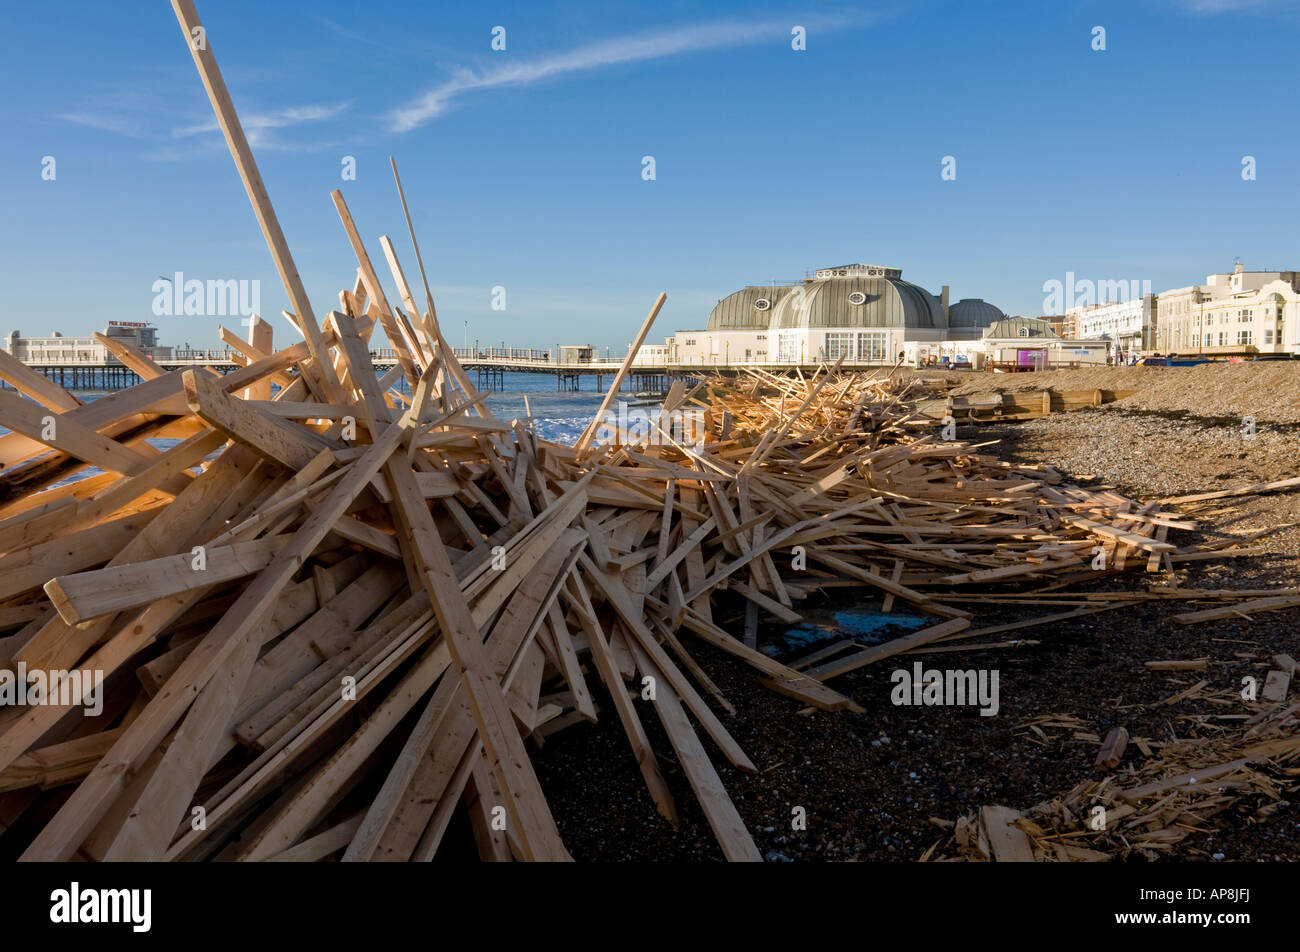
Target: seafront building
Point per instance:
(1129, 326)
(57, 350)
(865, 314)
(1239, 313)
(1233, 314)
(1033, 342)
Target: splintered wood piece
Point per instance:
(1275, 687)
(1008, 843)
(833, 669)
(1112, 748)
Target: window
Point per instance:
(871, 347)
(762, 304)
(1268, 335)
(787, 346)
(689, 343)
(857, 298)
(1244, 337)
(839, 345)
(1024, 332)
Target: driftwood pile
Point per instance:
(339, 606)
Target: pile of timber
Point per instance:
(1015, 405)
(270, 598)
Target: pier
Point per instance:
(489, 368)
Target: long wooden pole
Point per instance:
(197, 39)
(584, 443)
(445, 353)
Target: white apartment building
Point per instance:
(1129, 326)
(1242, 312)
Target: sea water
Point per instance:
(557, 415)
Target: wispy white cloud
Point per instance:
(257, 125)
(1209, 7)
(616, 51)
(120, 125)
(162, 123)
(390, 41)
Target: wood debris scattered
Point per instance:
(454, 568)
(337, 607)
(1147, 811)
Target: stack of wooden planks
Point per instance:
(1016, 404)
(307, 611)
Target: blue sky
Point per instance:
(524, 167)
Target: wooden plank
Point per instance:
(1193, 778)
(23, 570)
(1193, 664)
(167, 472)
(206, 63)
(65, 434)
(581, 447)
(530, 817)
(88, 595)
(603, 659)
(1112, 749)
(632, 621)
(35, 385)
(321, 845)
(729, 829)
(1009, 844)
(1239, 610)
(833, 669)
(1275, 687)
(781, 678)
(375, 290)
(273, 437)
(138, 361)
